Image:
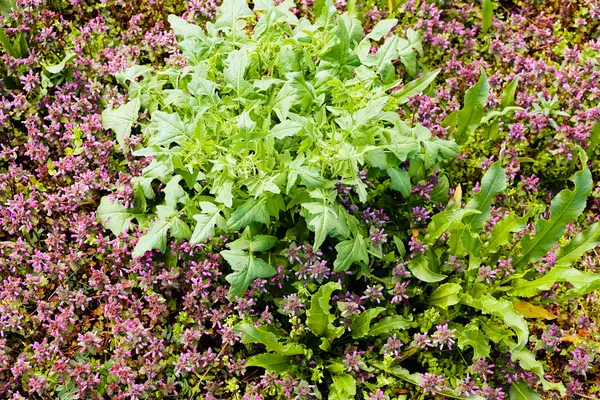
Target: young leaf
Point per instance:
(389, 324)
(261, 334)
(578, 246)
(565, 207)
(508, 94)
(469, 117)
(274, 363)
(231, 12)
(361, 323)
(349, 252)
(246, 268)
(318, 317)
(445, 295)
(121, 119)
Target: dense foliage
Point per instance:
(301, 201)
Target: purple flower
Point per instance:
(581, 361)
(443, 336)
(432, 383)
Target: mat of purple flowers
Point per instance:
(307, 199)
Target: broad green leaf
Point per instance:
(247, 268)
(370, 111)
(156, 238)
(261, 334)
(174, 193)
(206, 222)
(400, 181)
(361, 324)
(446, 221)
(578, 246)
(445, 295)
(475, 339)
(565, 207)
(437, 150)
(594, 139)
(121, 119)
(166, 128)
(114, 216)
(318, 317)
(343, 387)
(521, 391)
(389, 324)
(285, 129)
(179, 229)
(502, 230)
(183, 28)
(324, 221)
(382, 60)
(237, 62)
(349, 252)
(487, 11)
(231, 12)
(504, 310)
(272, 362)
(251, 211)
(469, 117)
(414, 87)
(7, 6)
(492, 184)
(260, 243)
(420, 269)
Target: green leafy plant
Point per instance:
(266, 120)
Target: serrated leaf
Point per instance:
(475, 339)
(502, 230)
(179, 229)
(521, 391)
(231, 12)
(581, 281)
(578, 246)
(318, 317)
(349, 252)
(183, 28)
(260, 334)
(156, 238)
(504, 310)
(528, 362)
(274, 363)
(360, 325)
(121, 119)
(389, 324)
(420, 269)
(247, 268)
(565, 207)
(400, 181)
(251, 211)
(414, 87)
(445, 295)
(469, 117)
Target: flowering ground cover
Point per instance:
(340, 200)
